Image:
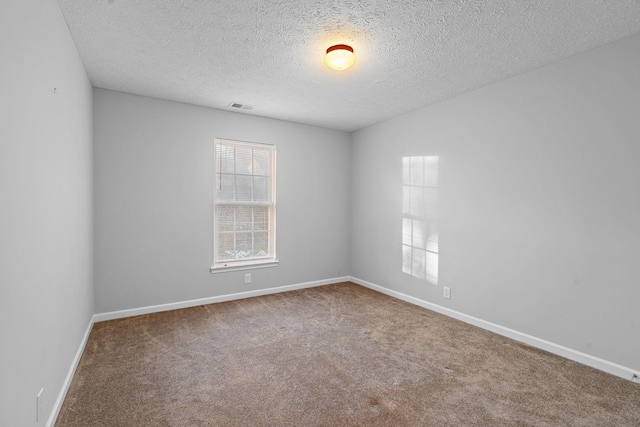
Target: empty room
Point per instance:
(319, 213)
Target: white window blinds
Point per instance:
(244, 203)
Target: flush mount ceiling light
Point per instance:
(340, 57)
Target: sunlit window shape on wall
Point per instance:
(420, 217)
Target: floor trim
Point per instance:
(210, 300)
(101, 317)
(586, 359)
(57, 406)
(568, 353)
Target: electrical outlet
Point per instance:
(39, 405)
(446, 292)
(247, 278)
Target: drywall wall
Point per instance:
(154, 206)
(46, 291)
(537, 207)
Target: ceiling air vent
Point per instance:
(240, 106)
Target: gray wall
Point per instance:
(46, 292)
(539, 196)
(539, 202)
(153, 200)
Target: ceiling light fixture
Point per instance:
(340, 57)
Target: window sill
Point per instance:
(249, 265)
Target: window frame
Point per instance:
(269, 260)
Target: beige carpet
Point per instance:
(338, 355)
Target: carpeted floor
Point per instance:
(338, 355)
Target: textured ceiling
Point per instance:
(410, 53)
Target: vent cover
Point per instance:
(240, 106)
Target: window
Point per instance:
(244, 216)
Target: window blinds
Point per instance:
(244, 201)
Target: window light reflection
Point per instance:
(419, 217)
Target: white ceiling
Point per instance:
(410, 53)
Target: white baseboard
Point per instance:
(210, 300)
(165, 307)
(577, 356)
(67, 381)
(594, 362)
